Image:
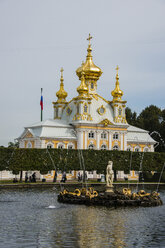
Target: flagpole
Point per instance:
(41, 103)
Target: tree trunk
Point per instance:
(20, 180)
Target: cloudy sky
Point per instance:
(38, 37)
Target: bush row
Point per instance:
(17, 159)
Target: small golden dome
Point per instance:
(82, 89)
(117, 93)
(90, 69)
(61, 94)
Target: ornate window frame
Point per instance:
(103, 147)
(129, 148)
(70, 146)
(116, 136)
(146, 149)
(91, 134)
(68, 111)
(29, 144)
(120, 110)
(99, 110)
(115, 147)
(85, 107)
(104, 135)
(61, 145)
(137, 149)
(49, 145)
(91, 146)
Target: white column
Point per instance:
(110, 141)
(121, 141)
(43, 144)
(86, 135)
(125, 141)
(79, 139)
(97, 140)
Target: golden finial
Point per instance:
(117, 72)
(61, 94)
(89, 38)
(82, 89)
(117, 92)
(90, 69)
(61, 72)
(117, 69)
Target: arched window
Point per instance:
(120, 111)
(85, 108)
(60, 146)
(77, 108)
(49, 146)
(115, 147)
(70, 146)
(115, 136)
(91, 134)
(29, 145)
(56, 112)
(91, 146)
(137, 149)
(146, 149)
(103, 147)
(103, 135)
(92, 86)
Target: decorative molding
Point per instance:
(106, 122)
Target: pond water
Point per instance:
(33, 218)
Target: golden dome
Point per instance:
(82, 89)
(90, 69)
(61, 94)
(117, 93)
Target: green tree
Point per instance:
(152, 119)
(131, 117)
(13, 144)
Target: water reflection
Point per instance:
(27, 221)
(98, 227)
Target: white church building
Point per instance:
(87, 121)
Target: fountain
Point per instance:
(110, 197)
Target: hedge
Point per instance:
(18, 159)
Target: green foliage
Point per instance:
(18, 159)
(151, 119)
(131, 117)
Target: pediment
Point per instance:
(27, 134)
(106, 122)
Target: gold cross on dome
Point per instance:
(117, 68)
(61, 71)
(89, 38)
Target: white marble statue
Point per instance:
(109, 177)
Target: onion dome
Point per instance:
(82, 89)
(61, 94)
(90, 69)
(117, 93)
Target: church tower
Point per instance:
(117, 103)
(91, 71)
(61, 101)
(88, 73)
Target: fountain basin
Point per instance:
(111, 199)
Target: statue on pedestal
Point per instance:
(109, 177)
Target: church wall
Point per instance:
(22, 144)
(37, 143)
(141, 146)
(65, 143)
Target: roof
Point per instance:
(50, 129)
(136, 134)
